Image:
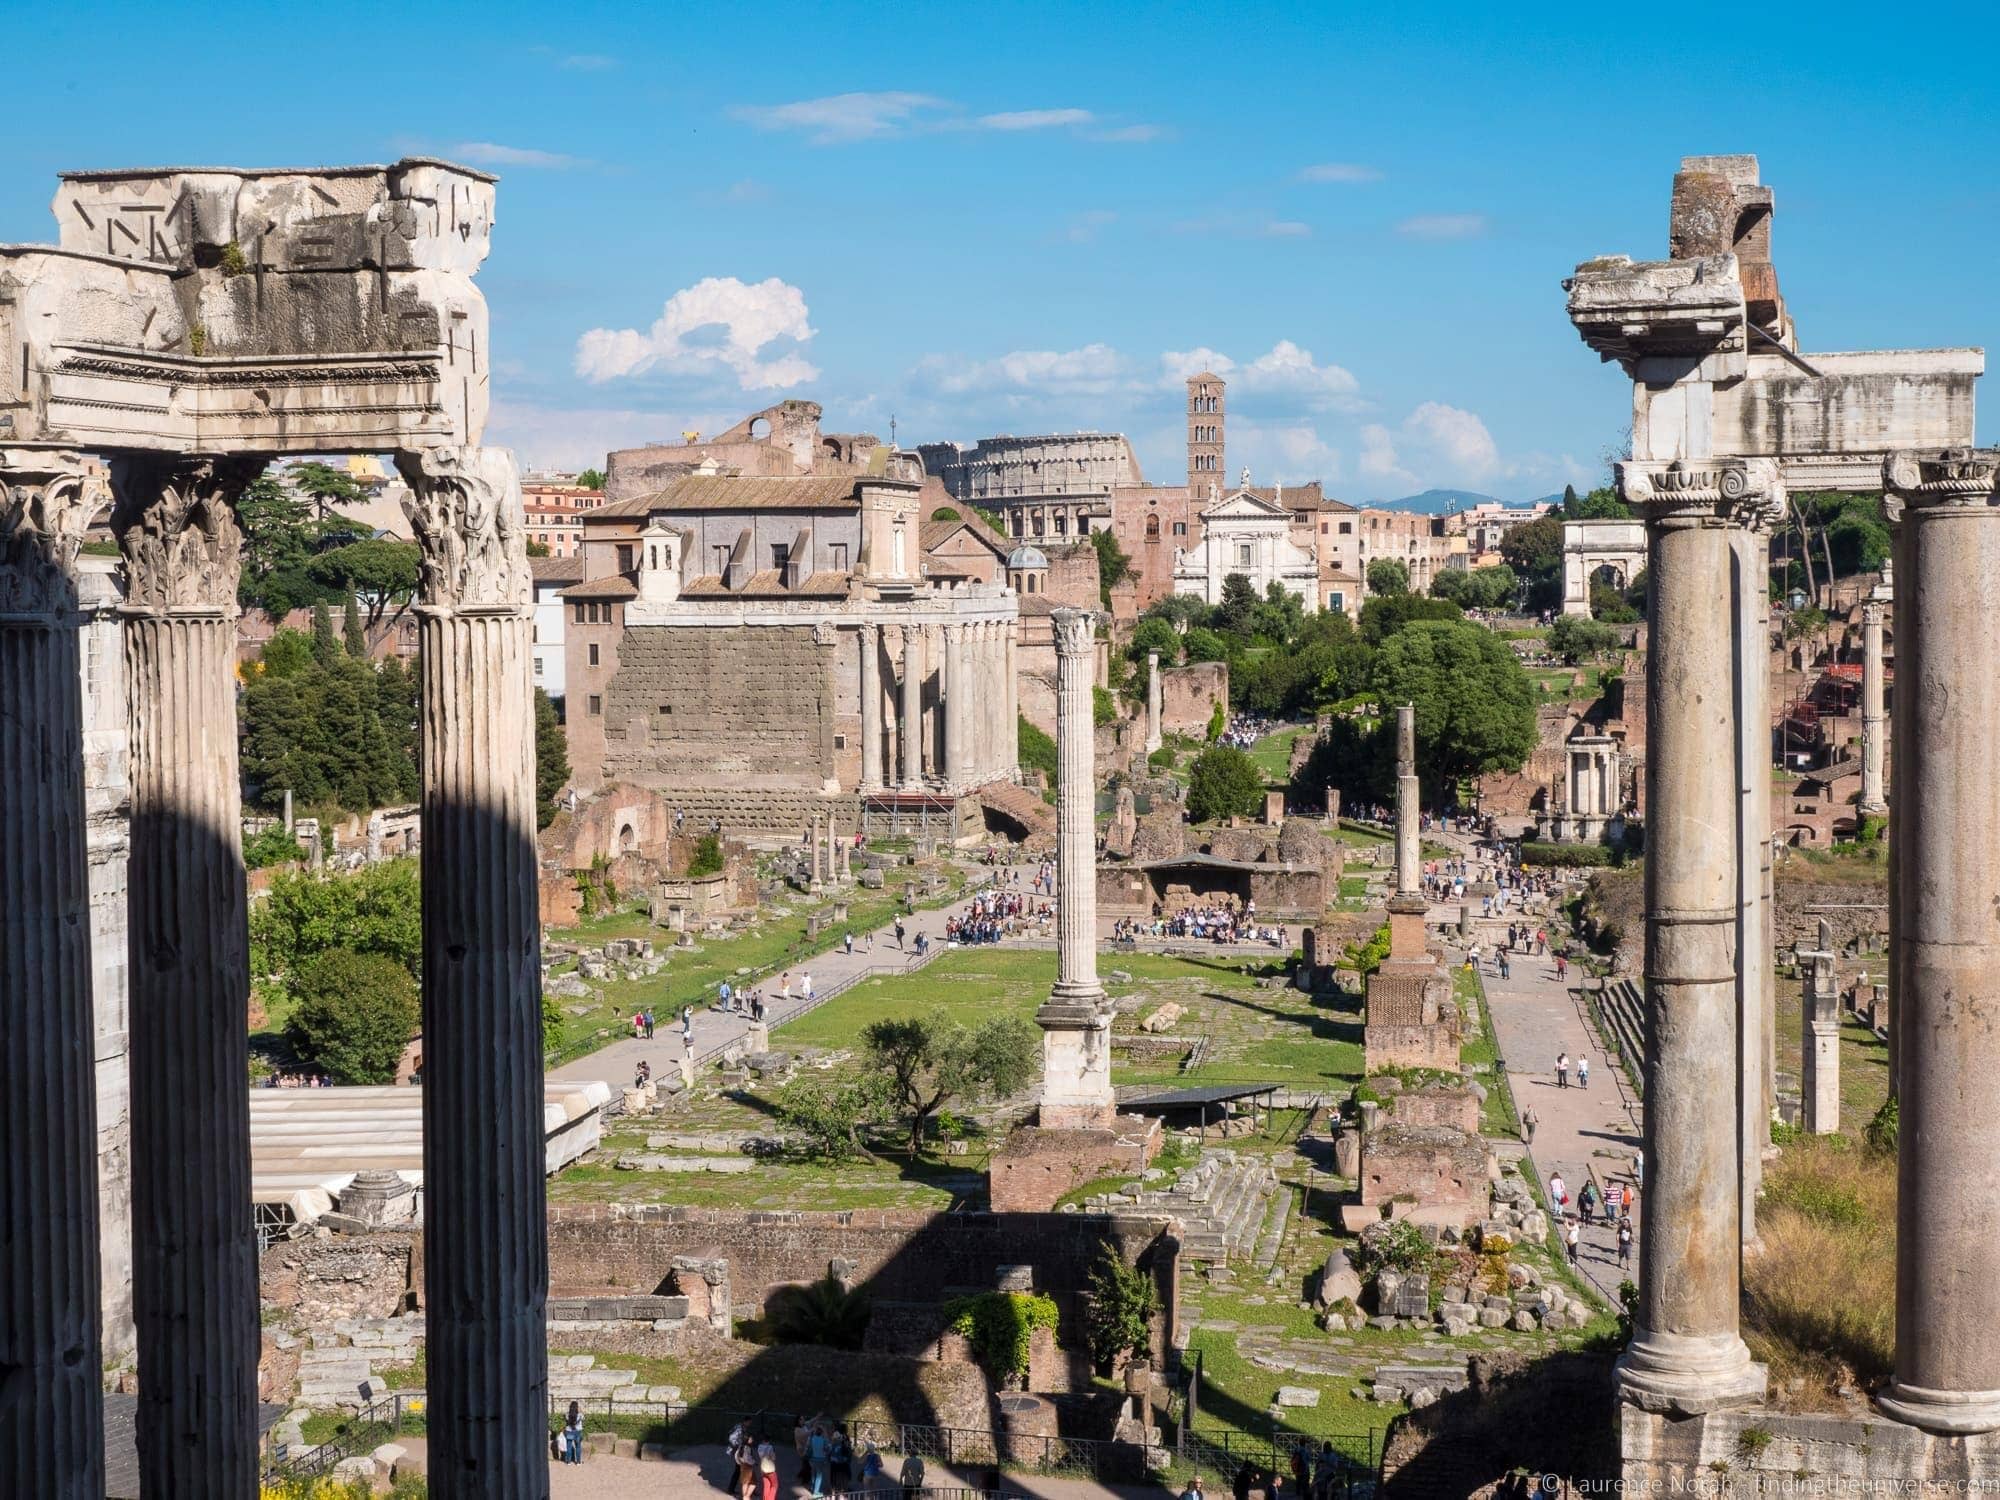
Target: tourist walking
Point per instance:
(899, 933)
(1558, 1192)
(1562, 967)
(1572, 1238)
(1505, 971)
(1562, 1070)
(849, 941)
(912, 1477)
(1624, 1242)
(1639, 1169)
(573, 1435)
(1582, 1072)
(1529, 1120)
(1586, 1202)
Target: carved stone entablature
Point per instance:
(1075, 631)
(1629, 310)
(465, 506)
(44, 508)
(175, 520)
(1958, 477)
(1741, 492)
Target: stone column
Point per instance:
(871, 708)
(1686, 1354)
(1152, 701)
(194, 1250)
(486, 1268)
(51, 1411)
(1756, 1029)
(955, 699)
(1012, 732)
(1820, 1045)
(1947, 955)
(1076, 1018)
(1873, 719)
(1409, 849)
(910, 735)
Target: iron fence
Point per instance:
(370, 1427)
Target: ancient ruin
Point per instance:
(191, 325)
(1411, 1019)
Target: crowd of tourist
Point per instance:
(998, 913)
(1244, 730)
(1210, 924)
(826, 1459)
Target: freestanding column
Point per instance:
(486, 1266)
(1686, 1354)
(910, 735)
(1012, 751)
(871, 708)
(51, 1410)
(1076, 1018)
(1873, 720)
(1409, 851)
(955, 691)
(1756, 1028)
(194, 1285)
(1152, 701)
(1947, 955)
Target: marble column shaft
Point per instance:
(871, 707)
(1946, 958)
(1873, 719)
(1756, 1029)
(1076, 782)
(910, 733)
(51, 1408)
(956, 685)
(486, 1268)
(195, 1294)
(1686, 1354)
(1409, 846)
(1153, 694)
(1011, 730)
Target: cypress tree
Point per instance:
(350, 629)
(325, 648)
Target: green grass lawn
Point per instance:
(1272, 754)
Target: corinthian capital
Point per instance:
(175, 519)
(43, 511)
(465, 506)
(1741, 492)
(1947, 478)
(1075, 631)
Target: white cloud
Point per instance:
(1457, 437)
(1036, 119)
(839, 118)
(1281, 453)
(1378, 454)
(1443, 227)
(1285, 373)
(1286, 229)
(489, 154)
(1179, 368)
(718, 324)
(1339, 171)
(1094, 369)
(550, 437)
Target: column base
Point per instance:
(1681, 1375)
(1877, 810)
(1084, 997)
(1941, 1411)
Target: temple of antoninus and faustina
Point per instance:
(189, 326)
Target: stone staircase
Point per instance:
(1019, 805)
(1223, 1201)
(1620, 1008)
(576, 1377)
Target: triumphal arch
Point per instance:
(189, 326)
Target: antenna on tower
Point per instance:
(892, 429)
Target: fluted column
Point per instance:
(910, 736)
(1686, 1354)
(956, 699)
(1409, 849)
(994, 690)
(51, 1409)
(1946, 508)
(1756, 1026)
(1012, 730)
(871, 708)
(1873, 720)
(486, 1270)
(193, 1247)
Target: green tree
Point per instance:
(1385, 614)
(1475, 703)
(273, 846)
(354, 1014)
(1113, 566)
(1534, 549)
(551, 760)
(1388, 575)
(377, 909)
(1238, 607)
(1454, 584)
(945, 513)
(822, 1312)
(1182, 611)
(397, 690)
(287, 653)
(1034, 749)
(1609, 604)
(537, 549)
(350, 631)
(827, 1112)
(707, 856)
(929, 1061)
(1103, 707)
(380, 571)
(324, 487)
(1121, 1308)
(1601, 504)
(590, 479)
(325, 643)
(1203, 644)
(1154, 634)
(1224, 783)
(1577, 638)
(1493, 587)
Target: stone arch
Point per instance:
(1152, 528)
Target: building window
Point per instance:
(596, 705)
(1243, 554)
(624, 557)
(538, 666)
(579, 614)
(666, 710)
(780, 554)
(840, 742)
(839, 550)
(1180, 528)
(1346, 528)
(1336, 600)
(593, 653)
(1152, 528)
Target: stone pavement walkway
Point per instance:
(874, 953)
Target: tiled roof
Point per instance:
(556, 569)
(766, 584)
(617, 586)
(694, 492)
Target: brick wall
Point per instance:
(1188, 696)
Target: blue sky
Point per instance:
(1015, 218)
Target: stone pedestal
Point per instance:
(194, 1251)
(1819, 1050)
(485, 1247)
(51, 1413)
(1686, 1354)
(1946, 963)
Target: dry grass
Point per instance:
(1820, 1301)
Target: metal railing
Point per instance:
(368, 1429)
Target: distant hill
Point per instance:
(1437, 502)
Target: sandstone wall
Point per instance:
(1188, 696)
(347, 1276)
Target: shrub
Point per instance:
(707, 858)
(1881, 1133)
(823, 1312)
(273, 846)
(1103, 706)
(1577, 637)
(1403, 1248)
(1035, 750)
(1224, 783)
(1577, 856)
(1161, 759)
(1000, 1327)
(1118, 1319)
(355, 1014)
